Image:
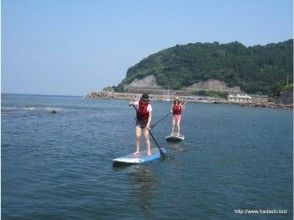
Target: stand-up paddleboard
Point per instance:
(142, 157)
(173, 137)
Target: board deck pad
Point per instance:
(173, 137)
(142, 157)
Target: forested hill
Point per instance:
(255, 68)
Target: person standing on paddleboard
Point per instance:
(143, 120)
(176, 110)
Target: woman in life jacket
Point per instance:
(176, 110)
(143, 120)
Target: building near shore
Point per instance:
(240, 98)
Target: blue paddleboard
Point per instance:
(142, 157)
(173, 137)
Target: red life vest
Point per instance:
(142, 113)
(177, 109)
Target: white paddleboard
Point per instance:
(173, 137)
(142, 157)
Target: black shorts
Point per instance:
(141, 124)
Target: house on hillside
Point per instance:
(240, 98)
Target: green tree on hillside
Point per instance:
(255, 69)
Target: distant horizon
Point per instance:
(71, 48)
(9, 93)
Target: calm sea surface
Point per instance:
(59, 166)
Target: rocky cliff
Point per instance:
(286, 97)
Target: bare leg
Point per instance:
(147, 141)
(138, 131)
(178, 125)
(173, 126)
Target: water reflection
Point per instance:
(176, 146)
(143, 187)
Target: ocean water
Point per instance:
(234, 160)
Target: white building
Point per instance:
(240, 98)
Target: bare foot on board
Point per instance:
(136, 152)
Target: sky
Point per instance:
(72, 47)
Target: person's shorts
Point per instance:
(177, 118)
(141, 124)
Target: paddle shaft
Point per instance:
(162, 154)
(160, 120)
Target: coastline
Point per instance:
(257, 102)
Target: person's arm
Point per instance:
(149, 120)
(171, 109)
(133, 103)
(184, 105)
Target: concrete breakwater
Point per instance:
(257, 101)
(153, 97)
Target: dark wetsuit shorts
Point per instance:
(141, 123)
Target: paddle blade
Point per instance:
(163, 155)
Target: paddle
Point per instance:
(162, 154)
(152, 126)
